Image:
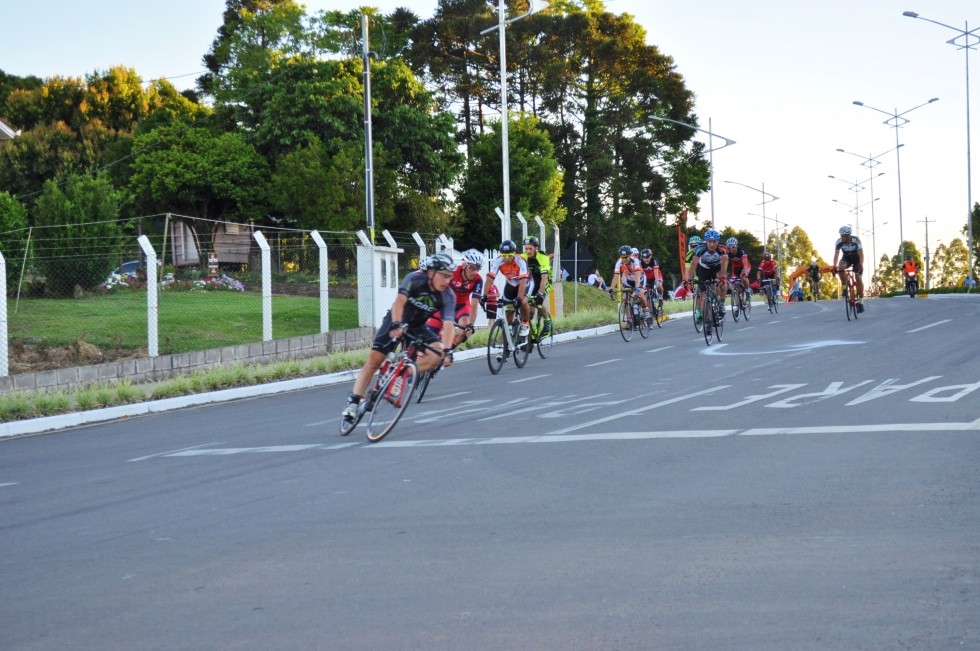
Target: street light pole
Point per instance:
(504, 136)
(871, 162)
(968, 44)
(711, 158)
(896, 120)
(764, 202)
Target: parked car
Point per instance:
(126, 271)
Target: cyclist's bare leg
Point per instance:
(430, 359)
(374, 361)
(860, 285)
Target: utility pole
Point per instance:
(926, 221)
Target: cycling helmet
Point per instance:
(645, 253)
(472, 256)
(712, 235)
(441, 262)
(625, 251)
(634, 251)
(767, 256)
(533, 241)
(424, 262)
(731, 241)
(695, 240)
(845, 230)
(508, 247)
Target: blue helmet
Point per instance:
(712, 235)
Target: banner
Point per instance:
(682, 242)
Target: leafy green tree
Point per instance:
(78, 232)
(13, 236)
(535, 182)
(975, 219)
(949, 264)
(193, 171)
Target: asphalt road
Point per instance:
(809, 484)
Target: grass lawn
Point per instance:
(186, 320)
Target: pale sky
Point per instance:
(777, 77)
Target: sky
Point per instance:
(779, 78)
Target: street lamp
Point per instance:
(764, 202)
(967, 44)
(857, 187)
(711, 158)
(505, 154)
(871, 162)
(896, 120)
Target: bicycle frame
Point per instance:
(511, 342)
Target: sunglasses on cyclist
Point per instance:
(506, 256)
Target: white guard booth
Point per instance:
(378, 279)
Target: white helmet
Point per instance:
(635, 251)
(731, 241)
(472, 256)
(845, 230)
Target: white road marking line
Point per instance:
(608, 361)
(9, 483)
(926, 327)
(634, 412)
(528, 379)
(657, 350)
(166, 454)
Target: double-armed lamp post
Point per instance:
(966, 39)
(763, 204)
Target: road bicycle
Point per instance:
(741, 304)
(712, 311)
(769, 291)
(390, 390)
(911, 283)
(503, 339)
(815, 288)
(850, 295)
(631, 317)
(655, 300)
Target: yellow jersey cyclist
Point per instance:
(710, 261)
(514, 269)
(539, 285)
(848, 248)
(692, 246)
(627, 272)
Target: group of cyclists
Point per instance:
(437, 303)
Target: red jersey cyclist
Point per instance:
(628, 273)
(769, 270)
(467, 285)
(654, 278)
(514, 269)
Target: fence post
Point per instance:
(152, 297)
(266, 285)
(421, 243)
(4, 361)
(523, 221)
(324, 285)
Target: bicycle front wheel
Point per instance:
(698, 322)
(424, 378)
(707, 318)
(719, 321)
(545, 340)
(625, 321)
(522, 347)
(640, 322)
(496, 347)
(736, 305)
(393, 399)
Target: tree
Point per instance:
(78, 232)
(13, 235)
(949, 264)
(975, 219)
(193, 171)
(535, 182)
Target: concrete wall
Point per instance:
(147, 369)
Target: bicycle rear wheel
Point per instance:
(496, 347)
(393, 399)
(625, 320)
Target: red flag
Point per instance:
(682, 241)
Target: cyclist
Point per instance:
(539, 269)
(769, 270)
(710, 261)
(692, 246)
(910, 271)
(514, 269)
(467, 286)
(813, 273)
(627, 273)
(739, 261)
(421, 294)
(850, 252)
(651, 270)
